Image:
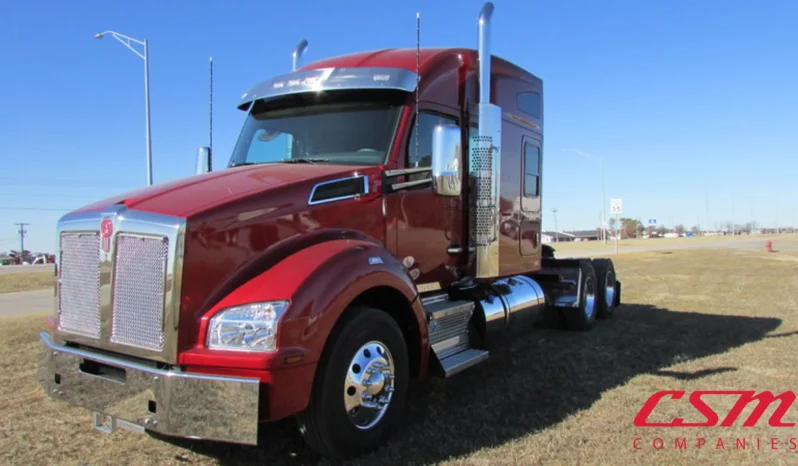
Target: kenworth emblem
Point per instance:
(106, 230)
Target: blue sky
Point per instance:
(679, 98)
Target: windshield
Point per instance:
(347, 134)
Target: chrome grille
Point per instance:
(139, 291)
(79, 284)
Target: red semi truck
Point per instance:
(379, 221)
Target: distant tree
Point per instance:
(631, 228)
(694, 229)
(20, 258)
(661, 230)
(651, 229)
(728, 225)
(679, 229)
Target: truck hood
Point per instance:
(187, 196)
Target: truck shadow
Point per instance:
(528, 385)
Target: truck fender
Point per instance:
(320, 282)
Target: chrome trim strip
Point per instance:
(133, 222)
(138, 397)
(410, 184)
(331, 79)
(521, 120)
(339, 198)
(406, 171)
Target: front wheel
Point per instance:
(360, 386)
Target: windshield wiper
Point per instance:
(241, 164)
(305, 160)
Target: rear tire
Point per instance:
(583, 316)
(364, 367)
(605, 294)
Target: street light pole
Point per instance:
(603, 206)
(147, 110)
(125, 40)
(603, 191)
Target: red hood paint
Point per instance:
(188, 196)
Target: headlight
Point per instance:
(250, 327)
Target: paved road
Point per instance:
(6, 269)
(26, 302)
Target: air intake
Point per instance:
(485, 162)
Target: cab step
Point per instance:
(449, 335)
(461, 361)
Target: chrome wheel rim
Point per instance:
(369, 385)
(609, 289)
(590, 296)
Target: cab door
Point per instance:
(531, 184)
(428, 227)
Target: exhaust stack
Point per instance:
(484, 52)
(298, 52)
(485, 162)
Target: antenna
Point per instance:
(210, 129)
(418, 74)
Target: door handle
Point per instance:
(454, 249)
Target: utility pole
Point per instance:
(210, 125)
(22, 232)
(556, 231)
(706, 204)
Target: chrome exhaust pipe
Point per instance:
(298, 52)
(484, 52)
(485, 163)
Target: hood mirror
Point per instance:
(203, 160)
(446, 160)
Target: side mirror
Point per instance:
(446, 160)
(203, 160)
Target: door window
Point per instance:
(421, 156)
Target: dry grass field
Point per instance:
(637, 245)
(692, 320)
(10, 283)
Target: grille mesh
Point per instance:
(138, 302)
(79, 293)
(449, 327)
(482, 162)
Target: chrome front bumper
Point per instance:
(139, 397)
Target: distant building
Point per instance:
(587, 235)
(568, 236)
(550, 237)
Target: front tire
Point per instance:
(360, 387)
